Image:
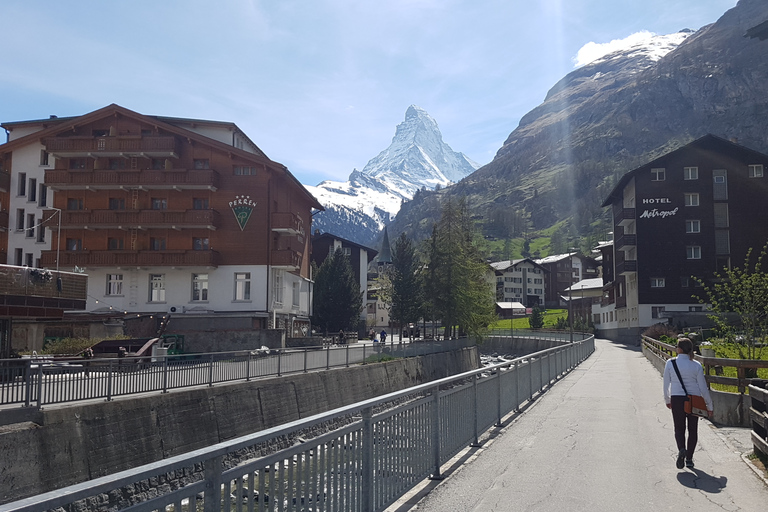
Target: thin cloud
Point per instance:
(592, 51)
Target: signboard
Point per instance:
(242, 207)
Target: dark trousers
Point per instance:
(681, 420)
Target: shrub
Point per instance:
(656, 331)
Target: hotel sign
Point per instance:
(658, 212)
(242, 207)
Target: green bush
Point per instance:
(74, 346)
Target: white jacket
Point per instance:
(693, 376)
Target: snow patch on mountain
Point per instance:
(644, 43)
(417, 158)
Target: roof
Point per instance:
(59, 124)
(704, 142)
(385, 256)
(501, 266)
(555, 258)
(595, 283)
(331, 237)
(514, 306)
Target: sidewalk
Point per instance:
(600, 439)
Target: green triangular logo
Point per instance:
(242, 207)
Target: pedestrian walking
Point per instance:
(383, 336)
(684, 376)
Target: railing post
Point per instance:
(498, 401)
(210, 371)
(530, 376)
(476, 437)
(248, 368)
(109, 381)
(212, 489)
(165, 374)
(28, 383)
(40, 386)
(435, 424)
(346, 352)
(364, 353)
(305, 360)
(517, 386)
(279, 361)
(367, 469)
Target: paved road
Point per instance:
(600, 440)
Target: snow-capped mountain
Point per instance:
(417, 158)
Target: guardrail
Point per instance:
(380, 452)
(40, 381)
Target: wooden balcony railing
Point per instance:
(74, 146)
(105, 219)
(4, 220)
(131, 258)
(626, 266)
(286, 259)
(35, 282)
(287, 222)
(60, 179)
(623, 215)
(626, 240)
(5, 181)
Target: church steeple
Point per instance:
(385, 254)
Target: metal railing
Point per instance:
(40, 381)
(379, 453)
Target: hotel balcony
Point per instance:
(131, 258)
(626, 241)
(626, 267)
(174, 179)
(26, 291)
(5, 181)
(122, 146)
(623, 216)
(286, 259)
(286, 222)
(133, 219)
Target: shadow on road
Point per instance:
(702, 481)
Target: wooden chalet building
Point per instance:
(165, 215)
(684, 215)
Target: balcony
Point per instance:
(4, 221)
(626, 267)
(122, 146)
(5, 181)
(623, 216)
(134, 219)
(289, 223)
(29, 291)
(626, 241)
(286, 259)
(174, 179)
(131, 258)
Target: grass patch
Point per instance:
(731, 351)
(379, 358)
(550, 319)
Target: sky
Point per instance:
(318, 85)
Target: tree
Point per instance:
(536, 320)
(337, 300)
(459, 293)
(402, 285)
(740, 292)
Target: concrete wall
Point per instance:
(71, 444)
(731, 409)
(516, 346)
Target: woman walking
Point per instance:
(684, 376)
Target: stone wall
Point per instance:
(74, 443)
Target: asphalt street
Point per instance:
(600, 439)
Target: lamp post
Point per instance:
(570, 311)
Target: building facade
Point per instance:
(563, 270)
(520, 281)
(164, 215)
(677, 220)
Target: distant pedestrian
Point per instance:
(376, 338)
(687, 379)
(341, 337)
(383, 336)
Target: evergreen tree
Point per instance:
(459, 292)
(337, 300)
(536, 320)
(402, 284)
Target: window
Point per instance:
(199, 287)
(43, 195)
(74, 244)
(74, 203)
(18, 255)
(242, 286)
(691, 199)
(685, 282)
(159, 203)
(720, 186)
(158, 164)
(756, 171)
(43, 157)
(41, 233)
(156, 287)
(22, 190)
(657, 311)
(32, 190)
(277, 287)
(695, 309)
(156, 244)
(30, 225)
(77, 163)
(658, 174)
(690, 173)
(114, 284)
(692, 226)
(200, 203)
(202, 163)
(295, 297)
(116, 203)
(20, 219)
(28, 259)
(721, 215)
(722, 242)
(199, 244)
(657, 282)
(693, 252)
(115, 244)
(244, 171)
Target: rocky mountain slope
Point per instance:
(610, 116)
(416, 159)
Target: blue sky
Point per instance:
(319, 85)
